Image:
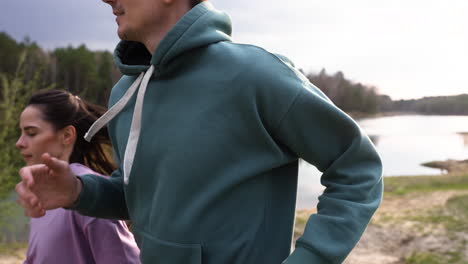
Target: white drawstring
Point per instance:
(113, 111)
(135, 128)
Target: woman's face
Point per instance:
(38, 136)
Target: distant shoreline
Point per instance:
(361, 115)
(449, 166)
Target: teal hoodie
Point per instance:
(215, 159)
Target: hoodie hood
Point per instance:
(201, 26)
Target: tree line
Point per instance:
(349, 96)
(89, 74)
(438, 105)
(358, 98)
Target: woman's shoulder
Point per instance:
(80, 169)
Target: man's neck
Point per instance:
(153, 41)
(155, 37)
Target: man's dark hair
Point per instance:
(195, 2)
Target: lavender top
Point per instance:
(65, 236)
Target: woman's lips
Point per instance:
(26, 156)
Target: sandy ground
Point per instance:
(16, 258)
(392, 235)
(388, 240)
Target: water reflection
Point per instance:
(404, 143)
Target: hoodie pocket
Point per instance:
(157, 251)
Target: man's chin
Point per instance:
(123, 36)
(127, 35)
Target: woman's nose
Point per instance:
(20, 143)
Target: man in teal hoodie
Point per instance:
(207, 134)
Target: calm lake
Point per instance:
(404, 142)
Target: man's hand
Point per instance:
(47, 186)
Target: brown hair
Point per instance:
(61, 109)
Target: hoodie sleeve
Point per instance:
(110, 241)
(314, 129)
(102, 197)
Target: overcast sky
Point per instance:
(406, 48)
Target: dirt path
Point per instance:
(16, 258)
(10, 260)
(392, 236)
(398, 230)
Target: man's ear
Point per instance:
(68, 135)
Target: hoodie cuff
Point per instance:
(81, 200)
(72, 207)
(301, 255)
